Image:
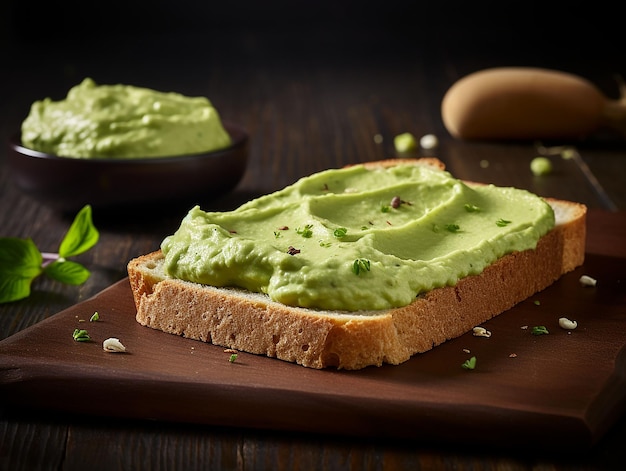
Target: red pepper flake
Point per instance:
(293, 250)
(232, 232)
(396, 201)
(283, 228)
(389, 223)
(325, 187)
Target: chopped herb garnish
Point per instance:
(469, 364)
(21, 261)
(502, 222)
(293, 250)
(81, 335)
(364, 228)
(537, 302)
(277, 234)
(471, 208)
(95, 317)
(340, 232)
(360, 265)
(325, 244)
(232, 358)
(539, 330)
(385, 208)
(452, 227)
(306, 232)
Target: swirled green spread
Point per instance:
(122, 122)
(357, 239)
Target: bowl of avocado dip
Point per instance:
(117, 145)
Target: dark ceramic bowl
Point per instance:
(69, 183)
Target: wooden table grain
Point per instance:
(327, 101)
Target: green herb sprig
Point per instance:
(471, 208)
(21, 261)
(539, 330)
(340, 232)
(469, 364)
(502, 222)
(306, 232)
(360, 265)
(81, 335)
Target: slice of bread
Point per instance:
(251, 322)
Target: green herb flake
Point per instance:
(471, 208)
(469, 364)
(454, 228)
(539, 330)
(232, 358)
(325, 244)
(537, 302)
(385, 208)
(277, 234)
(81, 335)
(360, 265)
(306, 232)
(502, 222)
(340, 232)
(95, 317)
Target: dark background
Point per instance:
(153, 35)
(48, 47)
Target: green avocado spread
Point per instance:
(357, 239)
(122, 122)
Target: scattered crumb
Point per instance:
(113, 345)
(513, 355)
(484, 163)
(429, 141)
(524, 327)
(481, 332)
(378, 138)
(230, 350)
(466, 350)
(586, 280)
(567, 324)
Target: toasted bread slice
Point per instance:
(252, 322)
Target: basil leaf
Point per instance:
(20, 264)
(81, 236)
(68, 272)
(14, 288)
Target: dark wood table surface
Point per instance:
(309, 103)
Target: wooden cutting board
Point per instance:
(566, 387)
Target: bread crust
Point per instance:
(251, 322)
